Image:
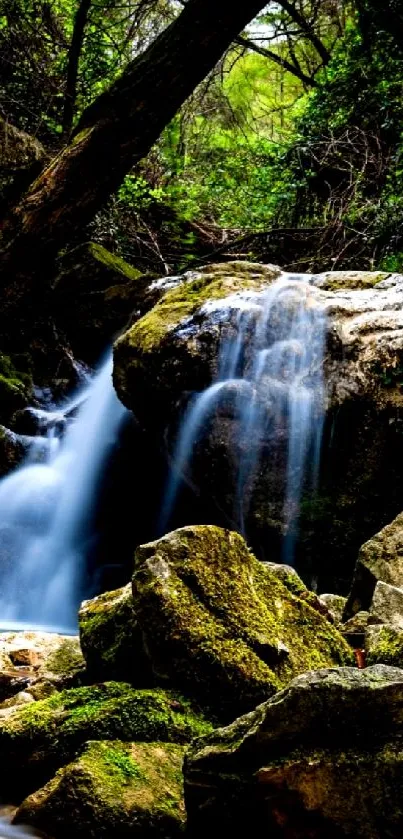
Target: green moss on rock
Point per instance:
(213, 283)
(36, 740)
(351, 280)
(153, 362)
(15, 387)
(95, 294)
(221, 625)
(128, 789)
(111, 639)
(384, 645)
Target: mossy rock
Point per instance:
(15, 387)
(38, 739)
(111, 638)
(350, 280)
(95, 294)
(113, 789)
(384, 645)
(379, 559)
(12, 450)
(336, 604)
(220, 625)
(291, 579)
(323, 758)
(157, 350)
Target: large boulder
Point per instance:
(379, 559)
(176, 343)
(174, 351)
(38, 738)
(222, 626)
(323, 758)
(113, 789)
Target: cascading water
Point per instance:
(46, 509)
(272, 358)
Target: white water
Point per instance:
(11, 831)
(277, 348)
(46, 509)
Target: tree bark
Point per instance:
(70, 95)
(113, 134)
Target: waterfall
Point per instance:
(46, 508)
(271, 352)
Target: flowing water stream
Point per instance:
(12, 831)
(276, 348)
(46, 508)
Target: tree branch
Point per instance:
(282, 62)
(307, 29)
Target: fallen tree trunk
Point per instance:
(114, 133)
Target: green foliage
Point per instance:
(345, 162)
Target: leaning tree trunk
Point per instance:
(114, 133)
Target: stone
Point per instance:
(174, 350)
(381, 558)
(384, 645)
(18, 150)
(38, 738)
(355, 628)
(220, 625)
(111, 638)
(15, 386)
(12, 450)
(323, 758)
(291, 579)
(350, 280)
(336, 604)
(95, 295)
(161, 343)
(28, 660)
(387, 604)
(112, 788)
